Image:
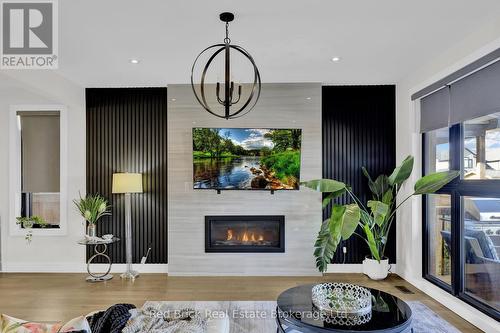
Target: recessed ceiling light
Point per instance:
(134, 61)
(308, 98)
(336, 59)
(173, 99)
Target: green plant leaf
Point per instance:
(379, 211)
(380, 186)
(324, 247)
(402, 172)
(324, 185)
(370, 239)
(367, 175)
(366, 218)
(388, 196)
(342, 223)
(371, 183)
(379, 304)
(332, 196)
(336, 220)
(326, 201)
(344, 220)
(351, 219)
(434, 181)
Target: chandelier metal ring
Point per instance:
(227, 102)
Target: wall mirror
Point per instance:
(37, 168)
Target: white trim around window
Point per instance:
(15, 170)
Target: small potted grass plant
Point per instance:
(370, 221)
(28, 223)
(92, 208)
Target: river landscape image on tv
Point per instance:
(246, 158)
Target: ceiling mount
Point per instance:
(226, 17)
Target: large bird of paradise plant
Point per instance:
(373, 218)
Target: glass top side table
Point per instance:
(100, 248)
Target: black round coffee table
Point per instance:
(295, 311)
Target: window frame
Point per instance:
(15, 171)
(457, 189)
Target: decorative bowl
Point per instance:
(342, 299)
(107, 237)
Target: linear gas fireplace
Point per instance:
(245, 233)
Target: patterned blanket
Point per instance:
(112, 320)
(165, 319)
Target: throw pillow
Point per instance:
(78, 324)
(10, 324)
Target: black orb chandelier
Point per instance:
(233, 106)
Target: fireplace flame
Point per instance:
(245, 237)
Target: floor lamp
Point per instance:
(128, 183)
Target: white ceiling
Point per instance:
(379, 41)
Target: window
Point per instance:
(482, 148)
(439, 237)
(438, 233)
(481, 244)
(461, 235)
(38, 169)
(462, 221)
(438, 150)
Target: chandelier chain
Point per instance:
(227, 40)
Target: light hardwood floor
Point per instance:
(59, 297)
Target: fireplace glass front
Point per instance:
(244, 233)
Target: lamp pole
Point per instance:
(129, 273)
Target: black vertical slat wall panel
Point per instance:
(359, 129)
(127, 132)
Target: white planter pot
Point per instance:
(376, 270)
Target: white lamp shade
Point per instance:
(127, 183)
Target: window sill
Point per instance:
(44, 232)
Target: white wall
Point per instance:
(48, 253)
(45, 253)
(62, 254)
(280, 106)
(409, 231)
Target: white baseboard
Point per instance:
(351, 268)
(243, 274)
(344, 268)
(119, 268)
(78, 268)
(146, 268)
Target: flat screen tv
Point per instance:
(246, 158)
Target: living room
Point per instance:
(231, 166)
